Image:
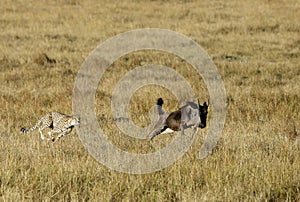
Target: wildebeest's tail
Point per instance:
(159, 103)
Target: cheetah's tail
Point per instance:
(23, 130)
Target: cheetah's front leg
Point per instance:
(61, 134)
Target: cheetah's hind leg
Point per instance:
(50, 136)
(42, 136)
(41, 133)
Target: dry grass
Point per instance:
(254, 44)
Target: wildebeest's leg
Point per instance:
(195, 127)
(159, 127)
(157, 132)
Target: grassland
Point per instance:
(254, 44)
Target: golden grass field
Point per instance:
(256, 48)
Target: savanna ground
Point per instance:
(255, 46)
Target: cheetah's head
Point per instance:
(75, 120)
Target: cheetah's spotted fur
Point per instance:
(61, 124)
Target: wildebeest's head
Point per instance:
(203, 110)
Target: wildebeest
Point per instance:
(191, 115)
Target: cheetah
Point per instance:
(59, 123)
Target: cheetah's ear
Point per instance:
(77, 115)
